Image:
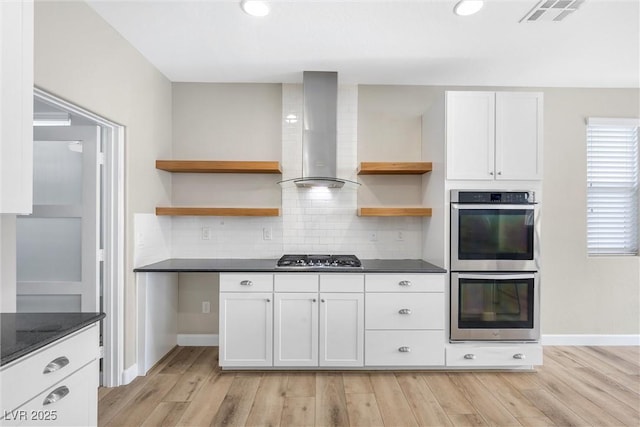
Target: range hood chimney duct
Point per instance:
(319, 141)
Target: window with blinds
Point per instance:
(612, 186)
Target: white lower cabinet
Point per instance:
(246, 329)
(341, 329)
(405, 320)
(295, 329)
(54, 386)
(405, 348)
(494, 355)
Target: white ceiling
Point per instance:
(384, 42)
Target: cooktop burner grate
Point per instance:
(319, 261)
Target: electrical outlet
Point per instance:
(400, 236)
(373, 236)
(267, 233)
(206, 233)
(206, 307)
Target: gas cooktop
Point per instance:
(322, 261)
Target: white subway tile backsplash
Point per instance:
(311, 221)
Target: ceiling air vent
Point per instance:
(551, 10)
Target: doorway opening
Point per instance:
(70, 251)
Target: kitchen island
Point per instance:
(49, 368)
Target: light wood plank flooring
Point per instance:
(577, 386)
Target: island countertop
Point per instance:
(219, 265)
(23, 333)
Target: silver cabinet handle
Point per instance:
(519, 356)
(246, 283)
(404, 311)
(499, 173)
(404, 283)
(313, 300)
(56, 395)
(268, 299)
(56, 364)
(491, 173)
(404, 349)
(470, 356)
(322, 300)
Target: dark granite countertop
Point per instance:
(203, 265)
(22, 333)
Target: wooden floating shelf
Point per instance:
(193, 211)
(218, 166)
(394, 168)
(394, 212)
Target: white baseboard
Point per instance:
(603, 340)
(199, 340)
(130, 374)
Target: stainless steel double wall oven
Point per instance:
(495, 291)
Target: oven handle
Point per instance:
(528, 206)
(496, 276)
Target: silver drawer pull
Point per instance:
(55, 395)
(404, 349)
(246, 283)
(404, 283)
(404, 311)
(519, 356)
(470, 356)
(56, 364)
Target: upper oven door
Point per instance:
(494, 237)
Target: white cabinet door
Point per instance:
(246, 329)
(342, 329)
(296, 329)
(16, 106)
(470, 135)
(519, 135)
(494, 135)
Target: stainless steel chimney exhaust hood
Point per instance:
(319, 141)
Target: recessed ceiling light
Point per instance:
(255, 7)
(468, 7)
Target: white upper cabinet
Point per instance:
(16, 106)
(494, 135)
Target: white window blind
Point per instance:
(612, 187)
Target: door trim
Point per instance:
(113, 137)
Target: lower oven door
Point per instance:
(495, 307)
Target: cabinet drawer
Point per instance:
(341, 282)
(292, 282)
(76, 404)
(21, 380)
(404, 282)
(246, 282)
(404, 311)
(404, 348)
(494, 355)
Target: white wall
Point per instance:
(83, 60)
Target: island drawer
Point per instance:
(404, 282)
(241, 282)
(47, 366)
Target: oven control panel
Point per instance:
(494, 197)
